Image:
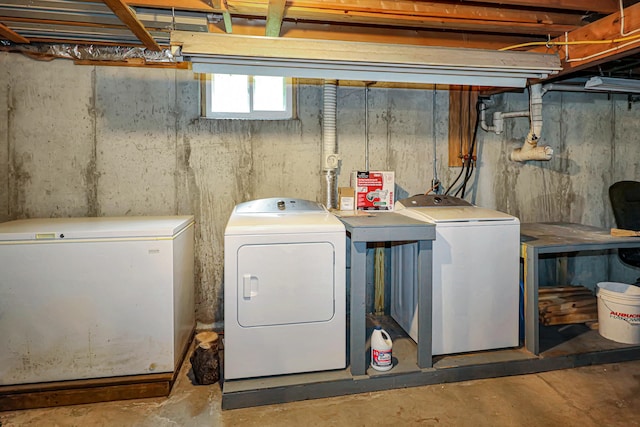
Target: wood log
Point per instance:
(206, 337)
(205, 361)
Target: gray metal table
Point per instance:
(387, 227)
(553, 238)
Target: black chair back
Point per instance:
(625, 202)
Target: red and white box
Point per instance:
(373, 190)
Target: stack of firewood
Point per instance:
(566, 304)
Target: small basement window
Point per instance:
(238, 96)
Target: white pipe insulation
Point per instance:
(330, 158)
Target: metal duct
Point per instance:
(330, 158)
(88, 52)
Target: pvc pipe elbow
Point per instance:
(543, 153)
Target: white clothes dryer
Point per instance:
(476, 267)
(284, 289)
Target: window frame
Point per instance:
(208, 113)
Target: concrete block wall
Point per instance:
(102, 141)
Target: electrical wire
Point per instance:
(625, 37)
(471, 163)
(622, 33)
(454, 182)
(569, 43)
(613, 49)
(461, 169)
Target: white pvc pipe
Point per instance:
(530, 149)
(535, 153)
(483, 119)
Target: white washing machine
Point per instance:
(284, 289)
(476, 270)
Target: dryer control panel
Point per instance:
(279, 205)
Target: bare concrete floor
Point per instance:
(602, 395)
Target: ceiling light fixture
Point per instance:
(344, 60)
(612, 84)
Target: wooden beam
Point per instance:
(126, 15)
(9, 34)
(80, 41)
(462, 120)
(275, 13)
(600, 6)
(226, 17)
(193, 5)
(420, 14)
(57, 22)
(401, 36)
(137, 62)
(583, 56)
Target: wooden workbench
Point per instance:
(556, 238)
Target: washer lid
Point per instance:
(43, 229)
(431, 200)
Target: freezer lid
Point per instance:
(459, 214)
(42, 229)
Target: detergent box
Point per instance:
(373, 190)
(346, 199)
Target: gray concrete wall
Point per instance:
(77, 140)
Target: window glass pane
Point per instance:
(230, 93)
(269, 93)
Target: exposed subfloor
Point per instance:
(588, 396)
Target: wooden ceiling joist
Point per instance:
(9, 34)
(56, 22)
(419, 14)
(581, 56)
(126, 15)
(226, 16)
(275, 13)
(599, 6)
(192, 5)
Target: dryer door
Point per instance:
(285, 283)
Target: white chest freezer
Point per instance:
(284, 289)
(476, 266)
(94, 297)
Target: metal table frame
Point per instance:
(387, 227)
(556, 238)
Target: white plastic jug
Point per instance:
(381, 356)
